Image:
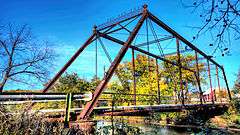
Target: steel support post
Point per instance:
(49, 85)
(210, 81)
(89, 106)
(158, 84)
(180, 69)
(112, 121)
(218, 81)
(198, 78)
(186, 87)
(96, 59)
(67, 111)
(225, 79)
(134, 77)
(219, 87)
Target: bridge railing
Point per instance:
(8, 98)
(144, 99)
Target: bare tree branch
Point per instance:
(25, 56)
(220, 19)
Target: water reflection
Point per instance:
(119, 127)
(123, 128)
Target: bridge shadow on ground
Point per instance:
(201, 115)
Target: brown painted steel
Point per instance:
(219, 88)
(210, 81)
(198, 78)
(134, 77)
(180, 69)
(143, 51)
(225, 79)
(158, 84)
(175, 34)
(90, 105)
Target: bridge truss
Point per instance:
(133, 23)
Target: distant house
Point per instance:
(215, 94)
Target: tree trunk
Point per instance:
(4, 81)
(1, 87)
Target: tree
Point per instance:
(236, 88)
(220, 19)
(23, 58)
(146, 78)
(72, 83)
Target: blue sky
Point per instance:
(68, 23)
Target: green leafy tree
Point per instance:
(69, 83)
(236, 89)
(146, 78)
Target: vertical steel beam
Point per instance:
(89, 106)
(96, 59)
(186, 87)
(112, 121)
(219, 87)
(198, 78)
(158, 84)
(134, 77)
(210, 81)
(67, 111)
(49, 85)
(180, 69)
(218, 81)
(148, 57)
(225, 79)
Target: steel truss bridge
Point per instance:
(143, 32)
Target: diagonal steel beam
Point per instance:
(175, 34)
(64, 68)
(113, 24)
(143, 51)
(90, 105)
(112, 31)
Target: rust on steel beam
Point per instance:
(198, 78)
(90, 105)
(142, 51)
(210, 81)
(49, 85)
(180, 69)
(158, 83)
(134, 77)
(225, 79)
(218, 81)
(175, 34)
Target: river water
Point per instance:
(122, 128)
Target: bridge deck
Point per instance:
(142, 109)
